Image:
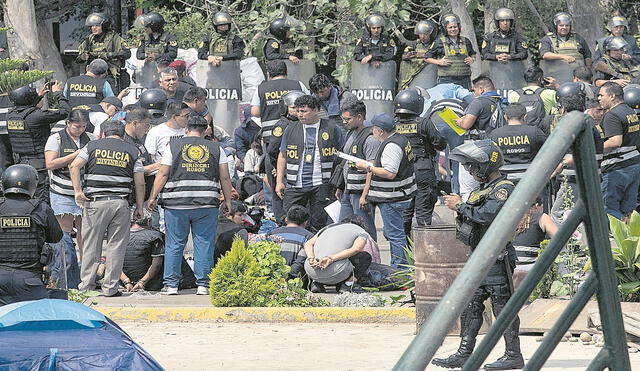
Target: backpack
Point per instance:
(497, 117)
(532, 101)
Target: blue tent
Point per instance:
(54, 334)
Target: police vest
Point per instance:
(379, 48)
(515, 142)
(108, 43)
(21, 239)
(109, 169)
(327, 144)
(194, 179)
(156, 46)
(25, 139)
(60, 178)
(410, 68)
(356, 178)
(499, 44)
(624, 68)
(598, 138)
(270, 92)
(403, 186)
(412, 130)
(455, 53)
(627, 154)
(84, 90)
(221, 45)
(570, 47)
(288, 47)
(5, 105)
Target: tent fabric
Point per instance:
(37, 343)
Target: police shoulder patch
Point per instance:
(201, 45)
(275, 45)
(325, 135)
(524, 44)
(392, 42)
(277, 132)
(173, 42)
(484, 43)
(502, 194)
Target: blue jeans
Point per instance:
(73, 269)
(620, 189)
(202, 223)
(393, 230)
(453, 140)
(350, 204)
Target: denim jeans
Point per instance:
(202, 223)
(393, 230)
(453, 140)
(350, 204)
(73, 269)
(620, 188)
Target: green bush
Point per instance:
(270, 262)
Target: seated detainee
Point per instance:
(336, 256)
(144, 259)
(230, 223)
(294, 235)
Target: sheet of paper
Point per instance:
(349, 157)
(449, 117)
(333, 210)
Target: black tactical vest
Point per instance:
(84, 90)
(109, 169)
(412, 130)
(356, 178)
(221, 45)
(60, 178)
(21, 239)
(403, 186)
(327, 143)
(26, 140)
(515, 142)
(270, 92)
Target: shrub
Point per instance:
(270, 262)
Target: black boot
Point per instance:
(457, 359)
(509, 361)
(512, 358)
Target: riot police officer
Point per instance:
(483, 160)
(612, 66)
(26, 225)
(223, 44)
(29, 128)
(155, 100)
(618, 26)
(374, 46)
(505, 44)
(452, 53)
(105, 44)
(279, 44)
(157, 46)
(564, 44)
(413, 57)
(632, 97)
(425, 141)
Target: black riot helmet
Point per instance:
(98, 19)
(20, 179)
(447, 19)
(408, 101)
(155, 100)
(154, 21)
(504, 14)
(570, 89)
(481, 158)
(427, 27)
(24, 96)
(615, 43)
(288, 100)
(632, 96)
(279, 28)
(221, 18)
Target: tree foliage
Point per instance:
(11, 77)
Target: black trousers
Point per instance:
(20, 285)
(276, 201)
(6, 154)
(361, 262)
(425, 199)
(315, 198)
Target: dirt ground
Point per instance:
(310, 346)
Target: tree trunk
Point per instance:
(50, 52)
(587, 20)
(490, 7)
(458, 7)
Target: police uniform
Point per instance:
(6, 153)
(269, 94)
(633, 51)
(573, 45)
(229, 46)
(165, 46)
(527, 242)
(29, 128)
(410, 68)
(275, 48)
(519, 145)
(455, 50)
(498, 42)
(25, 226)
(273, 149)
(425, 141)
(84, 90)
(113, 49)
(381, 50)
(618, 69)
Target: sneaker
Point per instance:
(354, 288)
(317, 288)
(169, 290)
(202, 290)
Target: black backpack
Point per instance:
(497, 117)
(532, 101)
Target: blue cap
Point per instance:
(367, 123)
(383, 121)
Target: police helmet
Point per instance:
(279, 27)
(221, 18)
(480, 157)
(155, 100)
(570, 89)
(374, 20)
(409, 101)
(24, 96)
(615, 43)
(288, 100)
(97, 19)
(617, 20)
(424, 27)
(632, 96)
(561, 18)
(504, 14)
(422, 91)
(20, 179)
(153, 20)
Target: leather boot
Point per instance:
(457, 359)
(512, 358)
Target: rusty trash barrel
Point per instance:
(439, 257)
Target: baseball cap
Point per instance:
(113, 100)
(383, 121)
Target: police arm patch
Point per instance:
(502, 194)
(277, 132)
(484, 43)
(275, 45)
(325, 136)
(173, 42)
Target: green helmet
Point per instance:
(374, 20)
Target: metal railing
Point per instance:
(576, 132)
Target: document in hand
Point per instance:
(450, 118)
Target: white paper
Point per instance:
(333, 210)
(349, 157)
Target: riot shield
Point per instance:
(560, 70)
(427, 78)
(224, 91)
(507, 76)
(301, 71)
(375, 86)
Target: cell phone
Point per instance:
(48, 83)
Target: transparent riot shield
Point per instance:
(224, 91)
(375, 86)
(507, 76)
(560, 70)
(301, 71)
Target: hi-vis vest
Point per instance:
(356, 178)
(569, 47)
(60, 178)
(327, 144)
(21, 239)
(456, 53)
(194, 179)
(109, 169)
(221, 45)
(403, 186)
